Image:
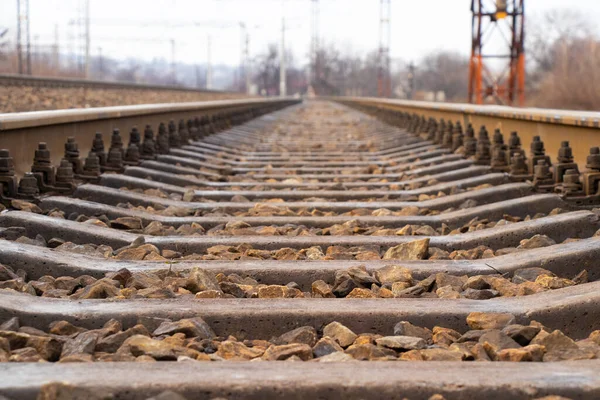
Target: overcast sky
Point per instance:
(144, 28)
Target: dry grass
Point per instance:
(20, 99)
(573, 82)
(29, 98)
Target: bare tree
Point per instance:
(267, 73)
(345, 74)
(573, 80)
(444, 71)
(565, 53)
(127, 74)
(553, 27)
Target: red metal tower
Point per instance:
(500, 20)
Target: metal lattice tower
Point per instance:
(247, 67)
(80, 45)
(282, 61)
(23, 40)
(244, 70)
(173, 72)
(383, 71)
(86, 16)
(501, 21)
(208, 64)
(3, 43)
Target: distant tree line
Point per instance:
(563, 68)
(562, 53)
(47, 61)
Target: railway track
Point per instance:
(312, 251)
(22, 93)
(49, 82)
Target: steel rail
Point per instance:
(581, 128)
(20, 132)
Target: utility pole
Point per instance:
(36, 50)
(87, 39)
(247, 62)
(411, 80)
(28, 31)
(55, 50)
(23, 18)
(282, 86)
(314, 43)
(243, 50)
(173, 73)
(208, 66)
(19, 44)
(383, 71)
(100, 62)
(80, 38)
(71, 38)
(3, 42)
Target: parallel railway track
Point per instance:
(51, 82)
(227, 248)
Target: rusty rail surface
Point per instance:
(263, 249)
(581, 128)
